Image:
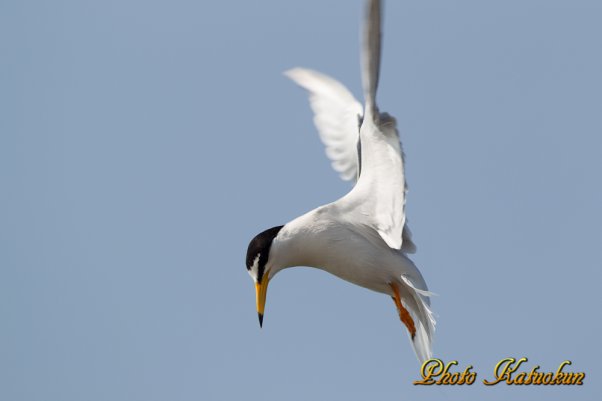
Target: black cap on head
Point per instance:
(259, 247)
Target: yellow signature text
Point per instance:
(506, 371)
(434, 371)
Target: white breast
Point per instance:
(325, 240)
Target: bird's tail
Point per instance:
(418, 303)
(371, 55)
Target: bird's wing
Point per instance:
(337, 116)
(378, 198)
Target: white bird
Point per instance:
(362, 237)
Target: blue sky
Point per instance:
(144, 143)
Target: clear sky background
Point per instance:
(144, 143)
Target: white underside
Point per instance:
(325, 239)
(356, 253)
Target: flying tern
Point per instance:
(363, 237)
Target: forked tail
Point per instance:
(415, 313)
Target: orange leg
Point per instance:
(404, 315)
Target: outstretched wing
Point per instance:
(378, 198)
(337, 116)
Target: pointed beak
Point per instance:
(261, 290)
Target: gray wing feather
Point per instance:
(371, 56)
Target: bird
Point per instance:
(362, 237)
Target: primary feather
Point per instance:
(336, 115)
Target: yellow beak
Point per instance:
(261, 290)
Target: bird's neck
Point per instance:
(295, 244)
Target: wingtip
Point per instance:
(290, 72)
(297, 73)
(300, 76)
(371, 53)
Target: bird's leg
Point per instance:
(404, 315)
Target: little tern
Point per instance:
(363, 237)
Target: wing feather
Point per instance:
(336, 116)
(379, 195)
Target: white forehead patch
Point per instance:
(255, 266)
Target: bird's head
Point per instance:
(259, 265)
